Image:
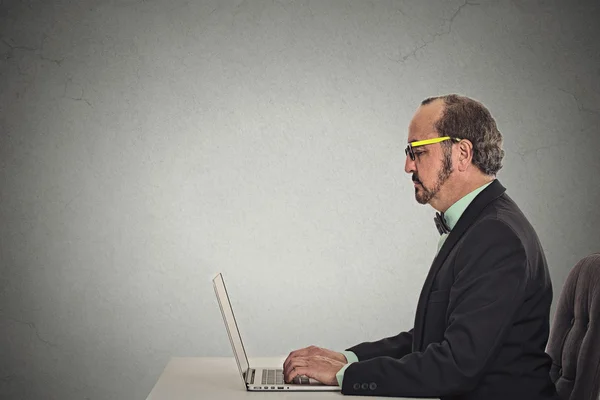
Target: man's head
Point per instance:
(471, 155)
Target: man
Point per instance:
(482, 319)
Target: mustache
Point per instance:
(415, 178)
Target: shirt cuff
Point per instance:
(340, 375)
(350, 356)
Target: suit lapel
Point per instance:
(472, 212)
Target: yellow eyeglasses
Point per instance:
(409, 149)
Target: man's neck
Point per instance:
(457, 190)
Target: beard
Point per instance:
(424, 194)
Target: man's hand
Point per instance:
(314, 362)
(320, 368)
(315, 351)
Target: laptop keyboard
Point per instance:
(275, 377)
(272, 377)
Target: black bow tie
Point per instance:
(441, 224)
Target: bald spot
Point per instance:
(422, 126)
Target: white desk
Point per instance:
(218, 378)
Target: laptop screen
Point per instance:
(230, 324)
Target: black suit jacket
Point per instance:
(482, 319)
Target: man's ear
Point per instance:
(465, 154)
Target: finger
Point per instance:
(289, 359)
(299, 371)
(289, 369)
(294, 354)
(291, 356)
(294, 372)
(292, 368)
(288, 374)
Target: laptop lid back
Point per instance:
(231, 325)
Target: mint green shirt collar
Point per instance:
(456, 210)
(453, 214)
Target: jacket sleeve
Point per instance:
(489, 287)
(395, 346)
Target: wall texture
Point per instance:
(147, 145)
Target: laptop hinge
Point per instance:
(250, 376)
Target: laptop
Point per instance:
(257, 379)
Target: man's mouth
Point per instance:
(416, 180)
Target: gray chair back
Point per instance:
(574, 342)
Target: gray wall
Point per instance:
(146, 146)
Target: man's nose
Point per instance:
(409, 165)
